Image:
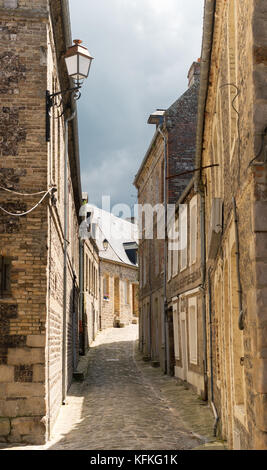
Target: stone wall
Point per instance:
(179, 129)
(123, 274)
(31, 310)
(236, 90)
(91, 294)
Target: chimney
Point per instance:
(194, 73)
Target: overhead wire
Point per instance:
(20, 214)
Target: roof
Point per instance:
(119, 232)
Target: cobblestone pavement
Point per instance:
(125, 403)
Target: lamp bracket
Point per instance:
(50, 102)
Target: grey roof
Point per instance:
(118, 232)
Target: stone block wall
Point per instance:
(125, 274)
(31, 310)
(236, 90)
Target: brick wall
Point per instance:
(31, 312)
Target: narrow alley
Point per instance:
(125, 403)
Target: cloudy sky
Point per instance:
(143, 50)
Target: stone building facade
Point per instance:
(118, 270)
(232, 123)
(184, 291)
(34, 375)
(91, 310)
(119, 289)
(171, 152)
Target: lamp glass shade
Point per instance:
(105, 244)
(78, 62)
(72, 66)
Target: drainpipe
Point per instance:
(207, 43)
(165, 255)
(74, 324)
(150, 302)
(237, 254)
(81, 303)
(203, 281)
(211, 364)
(66, 207)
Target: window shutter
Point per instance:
(183, 229)
(193, 230)
(176, 332)
(192, 306)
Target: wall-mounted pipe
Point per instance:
(165, 306)
(237, 254)
(203, 281)
(65, 254)
(211, 363)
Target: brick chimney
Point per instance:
(194, 73)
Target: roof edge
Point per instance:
(207, 42)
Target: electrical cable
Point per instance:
(30, 210)
(21, 194)
(263, 134)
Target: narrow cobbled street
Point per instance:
(125, 403)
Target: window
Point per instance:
(156, 254)
(169, 259)
(126, 292)
(86, 272)
(144, 270)
(176, 332)
(106, 287)
(5, 266)
(175, 249)
(162, 181)
(183, 239)
(193, 230)
(192, 317)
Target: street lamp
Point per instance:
(78, 62)
(105, 244)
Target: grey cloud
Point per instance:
(143, 50)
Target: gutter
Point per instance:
(207, 43)
(146, 157)
(68, 42)
(65, 268)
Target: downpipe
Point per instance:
(65, 254)
(211, 364)
(165, 307)
(237, 254)
(203, 289)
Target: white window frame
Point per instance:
(183, 232)
(176, 331)
(106, 284)
(126, 292)
(193, 230)
(175, 256)
(192, 330)
(169, 261)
